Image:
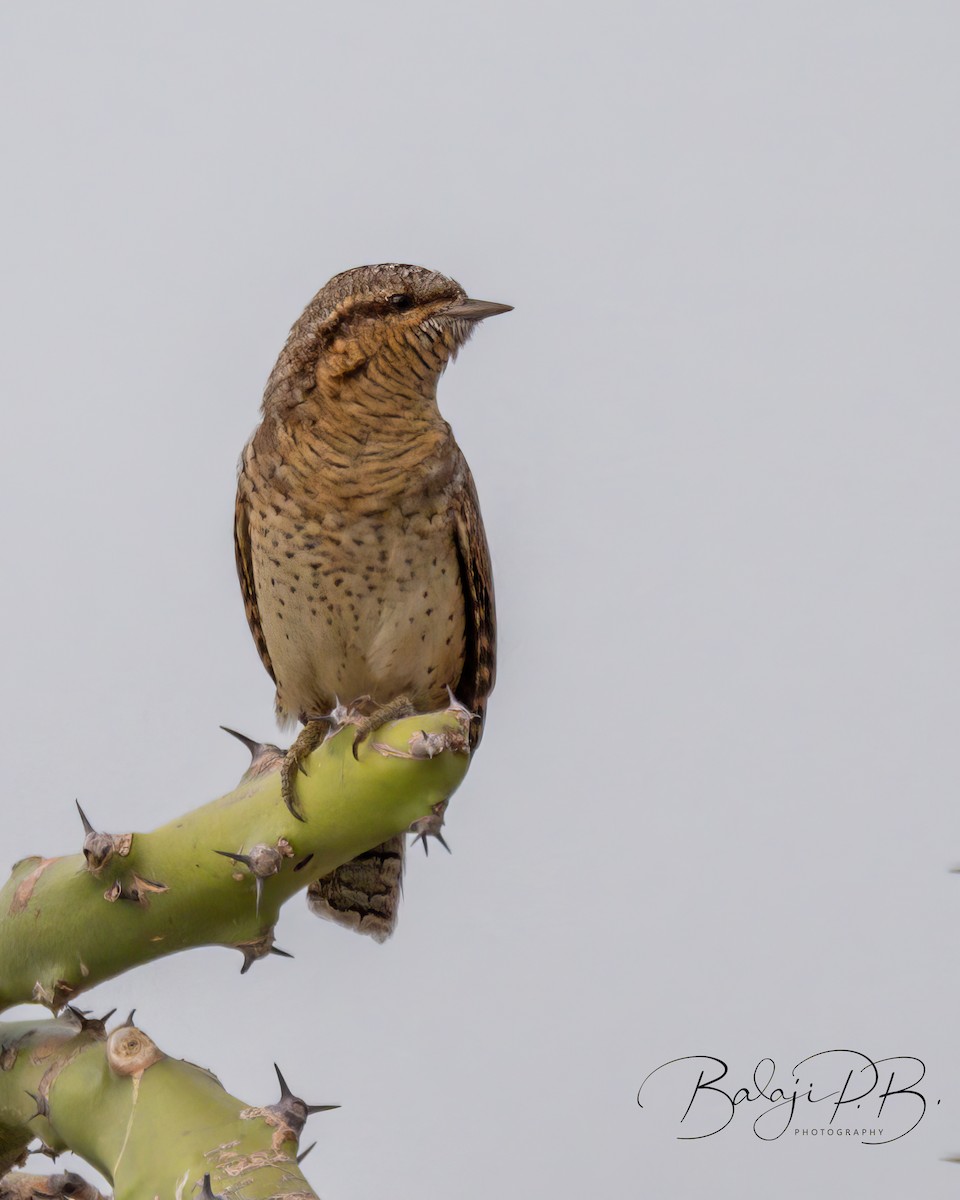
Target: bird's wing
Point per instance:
(476, 578)
(244, 552)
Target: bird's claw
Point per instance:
(308, 739)
(401, 707)
(288, 773)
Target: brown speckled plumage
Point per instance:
(360, 547)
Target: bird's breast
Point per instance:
(357, 576)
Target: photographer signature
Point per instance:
(880, 1096)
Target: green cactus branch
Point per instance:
(152, 1125)
(67, 924)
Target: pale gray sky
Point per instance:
(716, 450)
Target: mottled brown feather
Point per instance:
(476, 577)
(244, 555)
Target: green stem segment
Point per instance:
(152, 1125)
(67, 924)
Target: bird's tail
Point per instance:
(363, 894)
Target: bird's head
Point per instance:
(397, 324)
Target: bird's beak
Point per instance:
(475, 310)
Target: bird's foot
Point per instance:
(401, 707)
(430, 826)
(309, 738)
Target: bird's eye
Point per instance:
(401, 302)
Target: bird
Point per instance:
(360, 547)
